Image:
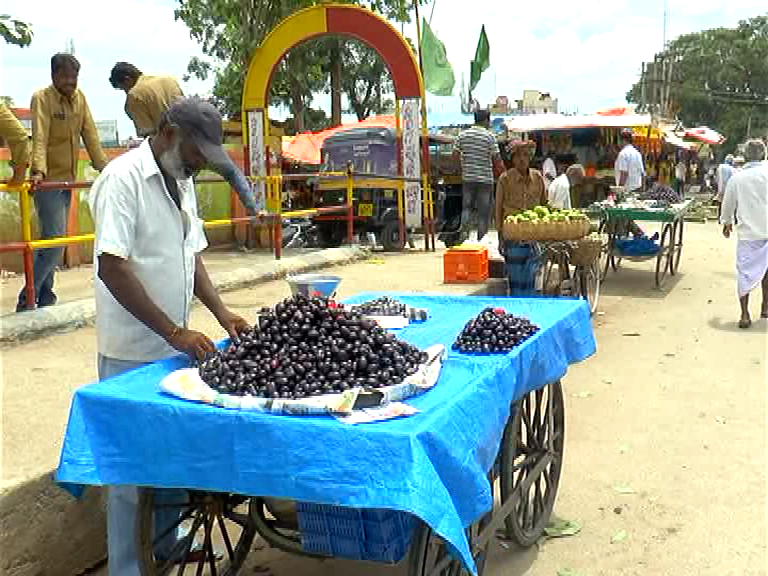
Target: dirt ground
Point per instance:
(672, 410)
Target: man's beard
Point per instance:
(173, 163)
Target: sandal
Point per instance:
(745, 323)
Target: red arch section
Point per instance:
(378, 34)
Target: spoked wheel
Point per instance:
(531, 461)
(589, 284)
(677, 241)
(278, 529)
(609, 257)
(429, 555)
(664, 259)
(215, 522)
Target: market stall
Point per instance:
(592, 140)
(489, 415)
(667, 252)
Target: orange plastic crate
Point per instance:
(465, 265)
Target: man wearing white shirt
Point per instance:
(559, 193)
(549, 170)
(629, 168)
(148, 240)
(746, 204)
(724, 173)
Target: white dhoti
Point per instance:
(751, 264)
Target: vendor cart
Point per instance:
(423, 485)
(614, 222)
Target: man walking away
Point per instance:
(724, 173)
(480, 162)
(147, 97)
(560, 189)
(14, 133)
(746, 204)
(61, 117)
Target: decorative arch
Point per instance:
(364, 25)
(332, 19)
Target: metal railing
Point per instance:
(273, 194)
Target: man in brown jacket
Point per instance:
(15, 135)
(61, 117)
(147, 97)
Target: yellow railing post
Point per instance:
(350, 205)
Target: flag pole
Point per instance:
(429, 236)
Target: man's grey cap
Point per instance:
(201, 121)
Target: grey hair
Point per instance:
(574, 169)
(754, 151)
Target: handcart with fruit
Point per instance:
(615, 220)
(478, 450)
(568, 256)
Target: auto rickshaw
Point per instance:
(373, 151)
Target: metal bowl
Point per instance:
(312, 285)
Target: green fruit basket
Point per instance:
(545, 231)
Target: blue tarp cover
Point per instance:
(433, 464)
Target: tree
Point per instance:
(8, 101)
(719, 78)
(15, 31)
(365, 79)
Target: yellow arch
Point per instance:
(294, 30)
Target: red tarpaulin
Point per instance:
(306, 147)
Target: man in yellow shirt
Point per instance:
(61, 117)
(14, 133)
(147, 97)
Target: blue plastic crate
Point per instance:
(355, 534)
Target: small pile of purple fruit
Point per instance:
(306, 347)
(384, 306)
(494, 331)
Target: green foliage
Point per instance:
(15, 31)
(719, 79)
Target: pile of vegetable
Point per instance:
(543, 224)
(543, 214)
(494, 331)
(305, 347)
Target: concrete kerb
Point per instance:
(15, 328)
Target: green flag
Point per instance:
(438, 72)
(481, 62)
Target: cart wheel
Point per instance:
(216, 522)
(390, 237)
(278, 534)
(664, 259)
(589, 284)
(429, 555)
(531, 461)
(677, 237)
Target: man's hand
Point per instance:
(37, 177)
(195, 344)
(19, 172)
(233, 324)
(727, 229)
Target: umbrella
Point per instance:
(705, 134)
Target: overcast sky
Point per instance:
(587, 53)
